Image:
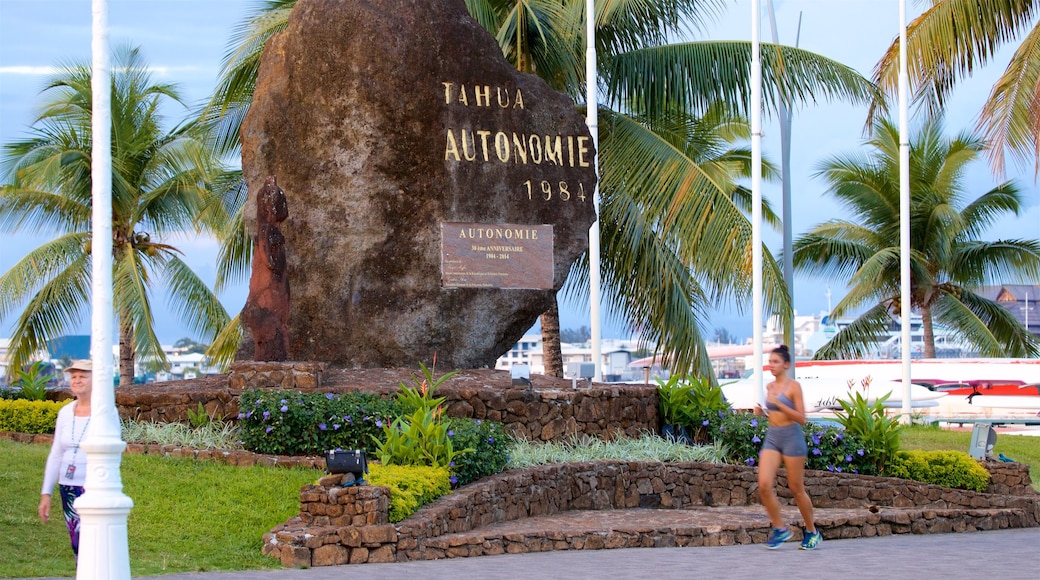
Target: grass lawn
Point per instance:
(187, 516)
(1021, 448)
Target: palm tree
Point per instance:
(160, 186)
(948, 260)
(662, 208)
(954, 37)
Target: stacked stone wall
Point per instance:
(446, 528)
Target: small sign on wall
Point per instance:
(506, 256)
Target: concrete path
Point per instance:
(1001, 555)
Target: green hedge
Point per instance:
(411, 486)
(26, 416)
(946, 468)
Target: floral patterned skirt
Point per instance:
(69, 493)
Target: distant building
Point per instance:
(615, 355)
(1021, 300)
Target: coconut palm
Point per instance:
(954, 37)
(671, 226)
(948, 260)
(159, 188)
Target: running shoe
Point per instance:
(777, 537)
(811, 541)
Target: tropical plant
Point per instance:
(417, 439)
(33, 381)
(948, 260)
(867, 421)
(421, 397)
(949, 41)
(675, 239)
(161, 186)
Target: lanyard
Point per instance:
(75, 448)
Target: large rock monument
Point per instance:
(436, 196)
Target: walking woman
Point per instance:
(67, 463)
(785, 443)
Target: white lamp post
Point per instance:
(592, 119)
(103, 508)
(904, 213)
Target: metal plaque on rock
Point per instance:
(507, 256)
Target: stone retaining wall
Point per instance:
(878, 506)
(549, 410)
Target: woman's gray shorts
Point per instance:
(788, 440)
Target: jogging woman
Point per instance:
(785, 443)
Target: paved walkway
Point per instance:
(1003, 554)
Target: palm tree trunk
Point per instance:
(551, 351)
(928, 333)
(126, 352)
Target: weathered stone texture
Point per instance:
(265, 317)
(352, 111)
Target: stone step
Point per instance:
(701, 526)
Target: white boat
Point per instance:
(823, 394)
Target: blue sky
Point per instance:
(184, 40)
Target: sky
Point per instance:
(185, 40)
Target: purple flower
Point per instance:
(830, 468)
(330, 396)
(848, 459)
(269, 429)
(322, 426)
(451, 433)
(335, 426)
(754, 422)
(348, 419)
(815, 439)
(838, 469)
(816, 451)
(756, 439)
(267, 415)
(454, 480)
(839, 436)
(705, 423)
(721, 415)
(241, 415)
(379, 423)
(750, 461)
(491, 439)
(477, 421)
(859, 452)
(284, 408)
(283, 401)
(451, 464)
(257, 401)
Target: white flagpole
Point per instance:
(103, 508)
(756, 193)
(904, 212)
(592, 119)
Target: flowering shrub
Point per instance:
(741, 434)
(830, 448)
(835, 449)
(489, 442)
(291, 423)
